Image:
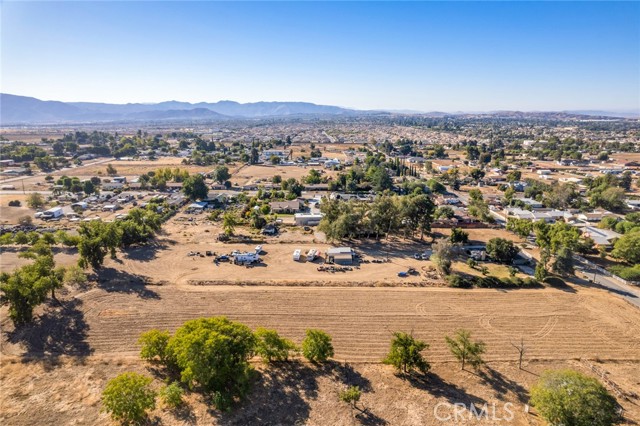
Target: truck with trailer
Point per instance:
(52, 213)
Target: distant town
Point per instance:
(517, 231)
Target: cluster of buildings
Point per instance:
(585, 221)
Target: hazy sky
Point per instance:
(446, 56)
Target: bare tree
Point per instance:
(521, 348)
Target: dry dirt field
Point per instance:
(257, 174)
(99, 328)
(53, 371)
(68, 392)
(98, 167)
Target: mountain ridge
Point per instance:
(15, 109)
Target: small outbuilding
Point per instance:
(340, 255)
(307, 219)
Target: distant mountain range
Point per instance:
(21, 109)
(25, 110)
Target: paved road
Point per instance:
(629, 293)
(20, 191)
(19, 178)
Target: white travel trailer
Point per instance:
(245, 258)
(296, 255)
(311, 255)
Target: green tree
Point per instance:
(567, 397)
(520, 227)
(271, 347)
(88, 187)
(611, 198)
(476, 174)
(351, 396)
(502, 250)
(28, 286)
(420, 213)
(317, 346)
(563, 263)
(195, 188)
(444, 212)
(405, 353)
(128, 397)
(229, 222)
(478, 207)
(384, 215)
(380, 179)
(221, 174)
(153, 345)
(442, 256)
(96, 240)
(35, 200)
(313, 177)
(626, 248)
(466, 350)
(458, 235)
(213, 353)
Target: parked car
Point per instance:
(223, 258)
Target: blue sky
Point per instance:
(447, 56)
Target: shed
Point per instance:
(197, 207)
(307, 219)
(340, 255)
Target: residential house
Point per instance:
(595, 216)
(601, 237)
(291, 206)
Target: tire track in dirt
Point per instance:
(361, 320)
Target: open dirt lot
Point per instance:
(54, 370)
(258, 174)
(67, 391)
(98, 168)
(556, 324)
(100, 327)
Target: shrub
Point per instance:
(20, 238)
(154, 345)
(351, 395)
(458, 281)
(74, 275)
(571, 398)
(317, 347)
(171, 395)
(25, 221)
(405, 354)
(128, 397)
(631, 273)
(6, 239)
(271, 347)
